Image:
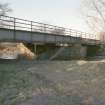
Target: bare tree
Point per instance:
(4, 9)
(94, 13)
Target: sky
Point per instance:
(64, 13)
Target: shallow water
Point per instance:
(25, 82)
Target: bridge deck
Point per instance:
(19, 30)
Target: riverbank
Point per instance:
(24, 82)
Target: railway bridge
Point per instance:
(40, 38)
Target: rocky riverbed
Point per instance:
(24, 82)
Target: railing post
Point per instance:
(76, 34)
(85, 36)
(31, 26)
(45, 28)
(14, 28)
(81, 36)
(70, 32)
(31, 31)
(95, 39)
(55, 30)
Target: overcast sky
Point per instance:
(64, 13)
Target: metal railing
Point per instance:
(26, 25)
(21, 24)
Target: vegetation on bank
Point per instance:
(24, 82)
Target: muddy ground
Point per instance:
(25, 82)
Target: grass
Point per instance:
(25, 82)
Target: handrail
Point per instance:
(16, 23)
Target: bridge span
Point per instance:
(44, 35)
(20, 30)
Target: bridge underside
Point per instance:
(63, 52)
